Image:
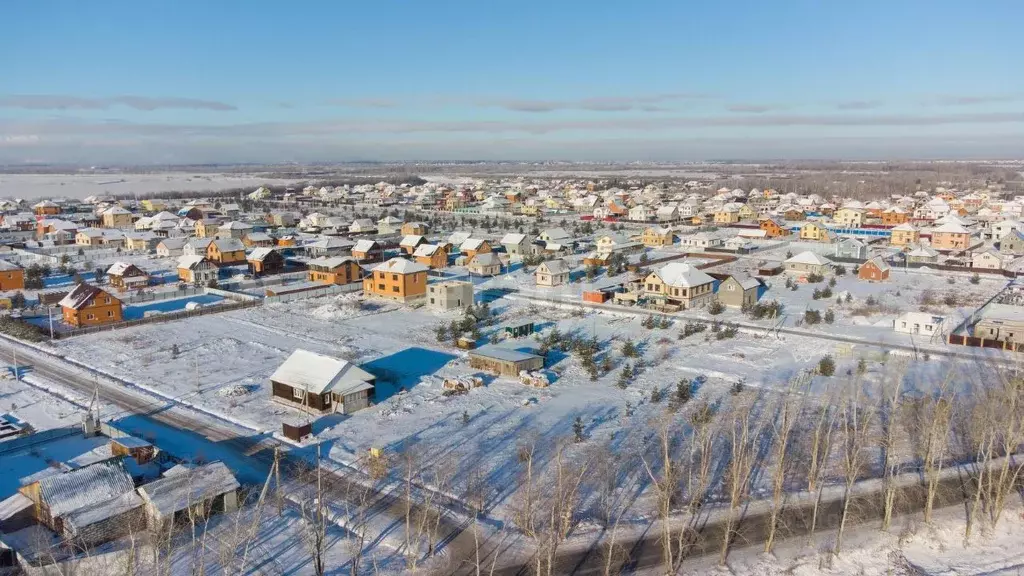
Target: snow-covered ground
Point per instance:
(82, 185)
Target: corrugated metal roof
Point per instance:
(98, 482)
(173, 493)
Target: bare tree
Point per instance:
(742, 435)
(782, 428)
(855, 425)
(892, 459)
(315, 517)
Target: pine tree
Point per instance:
(577, 429)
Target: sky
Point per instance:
(195, 81)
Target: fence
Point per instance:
(22, 442)
(168, 316)
(137, 297)
(315, 292)
(235, 296)
(975, 342)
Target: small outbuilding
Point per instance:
(318, 383)
(504, 361)
(201, 491)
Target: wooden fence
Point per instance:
(67, 333)
(975, 342)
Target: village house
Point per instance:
(851, 248)
(362, 226)
(321, 384)
(432, 255)
(140, 241)
(45, 208)
(728, 214)
(552, 273)
(773, 227)
(1012, 243)
(485, 264)
(116, 217)
(951, 236)
(679, 284)
(410, 243)
(397, 279)
(806, 263)
(918, 323)
(657, 237)
(815, 232)
(368, 251)
(451, 295)
(389, 225)
(264, 261)
(667, 213)
(329, 247)
(904, 234)
(48, 227)
(998, 230)
(988, 260)
(741, 244)
(849, 217)
(922, 255)
(610, 243)
(1001, 322)
(504, 361)
(516, 244)
(747, 213)
(473, 246)
(640, 213)
(895, 216)
(794, 214)
(555, 236)
(258, 240)
(233, 229)
(226, 251)
(739, 290)
(414, 229)
(98, 237)
(874, 270)
(334, 270)
(700, 241)
(196, 246)
(12, 276)
(87, 305)
(196, 270)
(125, 276)
(200, 491)
(206, 227)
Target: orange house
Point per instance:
(874, 270)
(12, 276)
(894, 217)
(951, 236)
(397, 279)
(226, 251)
(431, 255)
(87, 305)
(473, 246)
(336, 270)
(286, 241)
(774, 228)
(794, 214)
(46, 208)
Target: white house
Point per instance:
(667, 213)
(640, 213)
(552, 273)
(919, 323)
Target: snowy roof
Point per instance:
(330, 263)
(85, 486)
(200, 243)
(79, 296)
(809, 257)
(259, 237)
(513, 238)
(190, 262)
(400, 266)
(905, 227)
(5, 265)
(229, 244)
(683, 275)
(175, 493)
(14, 504)
(327, 243)
(120, 267)
(318, 374)
(746, 281)
(426, 250)
(116, 210)
(259, 254)
(458, 237)
(364, 246)
(472, 244)
(412, 240)
(951, 228)
(882, 265)
(554, 266)
(499, 353)
(103, 510)
(485, 259)
(235, 225)
(556, 234)
(923, 251)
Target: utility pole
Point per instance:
(49, 314)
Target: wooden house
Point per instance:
(473, 246)
(681, 285)
(504, 361)
(197, 270)
(432, 255)
(264, 261)
(336, 270)
(410, 243)
(367, 251)
(258, 240)
(87, 305)
(485, 264)
(414, 229)
(321, 384)
(739, 290)
(657, 237)
(125, 276)
(773, 227)
(12, 276)
(397, 279)
(552, 273)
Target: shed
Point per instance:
(203, 490)
(139, 449)
(60, 494)
(519, 330)
(504, 361)
(105, 520)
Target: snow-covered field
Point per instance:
(82, 185)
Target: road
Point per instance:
(251, 454)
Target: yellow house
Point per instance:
(206, 228)
(814, 232)
(657, 237)
(747, 213)
(905, 235)
(849, 217)
(727, 215)
(154, 205)
(116, 217)
(951, 236)
(529, 210)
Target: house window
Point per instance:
(90, 317)
(298, 393)
(394, 277)
(110, 313)
(431, 300)
(394, 288)
(381, 287)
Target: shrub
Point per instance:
(737, 388)
(832, 282)
(949, 299)
(727, 331)
(716, 308)
(826, 366)
(840, 271)
(975, 278)
(656, 396)
(870, 301)
(814, 278)
(629, 349)
(830, 316)
(812, 317)
(683, 392)
(764, 310)
(692, 328)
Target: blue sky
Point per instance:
(237, 81)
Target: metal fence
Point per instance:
(315, 292)
(157, 318)
(22, 442)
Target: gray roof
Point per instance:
(85, 486)
(102, 510)
(318, 373)
(172, 494)
(499, 353)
